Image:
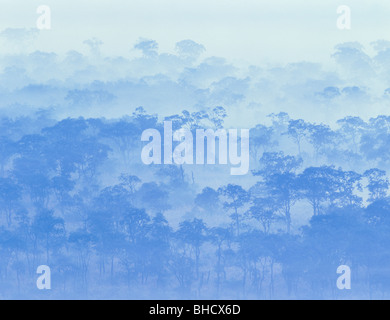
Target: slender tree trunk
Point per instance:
(237, 222)
(272, 279)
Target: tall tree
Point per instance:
(236, 198)
(278, 173)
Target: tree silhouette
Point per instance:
(193, 233)
(236, 198)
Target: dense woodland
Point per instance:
(75, 196)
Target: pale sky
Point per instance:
(253, 30)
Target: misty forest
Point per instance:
(75, 195)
